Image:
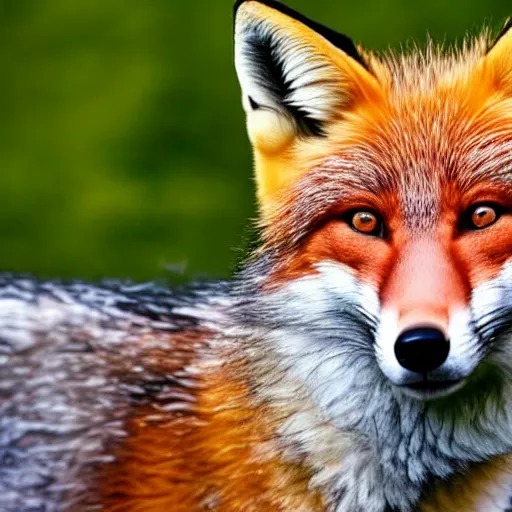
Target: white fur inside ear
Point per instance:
(270, 131)
(281, 72)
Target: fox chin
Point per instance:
(360, 360)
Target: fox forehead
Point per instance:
(450, 131)
(417, 159)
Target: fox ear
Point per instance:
(297, 77)
(498, 59)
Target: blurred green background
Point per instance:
(122, 141)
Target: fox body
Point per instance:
(362, 358)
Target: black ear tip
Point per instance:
(507, 27)
(341, 41)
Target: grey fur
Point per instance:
(71, 368)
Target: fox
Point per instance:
(360, 359)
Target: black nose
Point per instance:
(422, 350)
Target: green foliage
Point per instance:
(122, 141)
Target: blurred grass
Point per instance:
(122, 140)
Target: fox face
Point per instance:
(385, 275)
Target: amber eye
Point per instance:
(484, 216)
(366, 222)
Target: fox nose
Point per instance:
(422, 349)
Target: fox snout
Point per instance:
(424, 299)
(425, 285)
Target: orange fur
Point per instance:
(223, 455)
(467, 113)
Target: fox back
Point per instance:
(361, 359)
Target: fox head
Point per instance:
(384, 187)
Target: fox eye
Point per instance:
(366, 222)
(482, 216)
